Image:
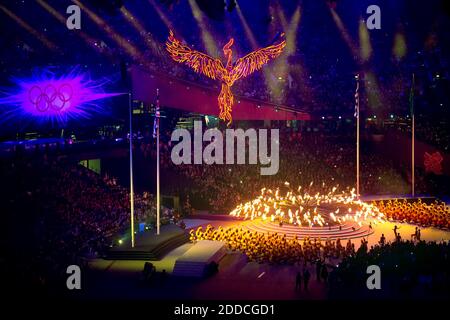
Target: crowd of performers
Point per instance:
(435, 214)
(278, 248)
(275, 248)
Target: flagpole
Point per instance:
(131, 172)
(412, 137)
(357, 133)
(158, 197)
(412, 156)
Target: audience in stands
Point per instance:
(69, 211)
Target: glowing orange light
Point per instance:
(306, 209)
(214, 69)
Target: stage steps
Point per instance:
(349, 230)
(195, 261)
(189, 269)
(153, 254)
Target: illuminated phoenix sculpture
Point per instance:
(214, 69)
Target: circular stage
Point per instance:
(303, 212)
(346, 230)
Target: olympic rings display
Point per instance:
(51, 97)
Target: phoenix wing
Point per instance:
(255, 60)
(200, 62)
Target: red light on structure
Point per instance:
(433, 162)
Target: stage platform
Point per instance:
(149, 245)
(409, 198)
(194, 262)
(347, 230)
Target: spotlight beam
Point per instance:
(282, 66)
(132, 51)
(208, 40)
(248, 31)
(40, 36)
(252, 39)
(88, 39)
(345, 35)
(137, 25)
(361, 56)
(364, 42)
(162, 16)
(282, 16)
(399, 49)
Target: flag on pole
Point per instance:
(411, 109)
(356, 97)
(411, 96)
(157, 114)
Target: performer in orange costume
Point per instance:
(213, 67)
